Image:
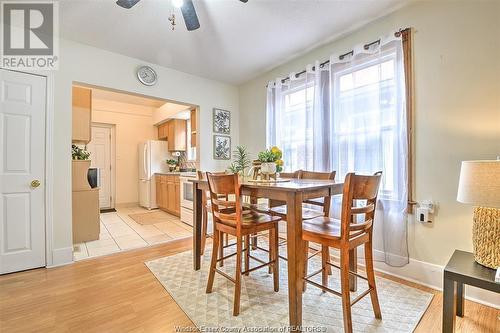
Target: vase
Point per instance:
(268, 168)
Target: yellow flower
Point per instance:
(276, 151)
(279, 162)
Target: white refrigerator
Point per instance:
(152, 159)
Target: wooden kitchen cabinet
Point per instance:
(174, 131)
(193, 128)
(82, 115)
(168, 193)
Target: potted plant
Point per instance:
(80, 167)
(241, 161)
(172, 164)
(271, 161)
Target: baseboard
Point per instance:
(61, 257)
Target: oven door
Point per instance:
(186, 194)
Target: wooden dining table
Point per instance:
(294, 192)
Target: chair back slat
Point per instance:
(358, 220)
(304, 174)
(291, 175)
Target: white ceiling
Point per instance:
(236, 41)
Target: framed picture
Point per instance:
(222, 121)
(222, 147)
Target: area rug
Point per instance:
(262, 309)
(152, 217)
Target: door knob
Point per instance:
(35, 183)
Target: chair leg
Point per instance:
(247, 253)
(306, 261)
(221, 248)
(273, 248)
(345, 289)
(204, 230)
(237, 279)
(370, 274)
(325, 258)
(328, 267)
(213, 262)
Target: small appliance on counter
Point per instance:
(94, 177)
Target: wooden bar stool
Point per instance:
(345, 235)
(230, 218)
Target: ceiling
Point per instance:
(236, 41)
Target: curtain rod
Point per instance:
(342, 56)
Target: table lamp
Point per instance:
(480, 185)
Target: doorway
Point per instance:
(102, 150)
(22, 179)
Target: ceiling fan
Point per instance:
(186, 6)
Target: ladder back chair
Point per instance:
(229, 217)
(346, 234)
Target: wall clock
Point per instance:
(147, 75)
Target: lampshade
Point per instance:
(480, 183)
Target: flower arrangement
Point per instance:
(272, 155)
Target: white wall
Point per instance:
(85, 64)
(133, 125)
(457, 106)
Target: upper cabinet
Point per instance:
(193, 128)
(82, 115)
(174, 131)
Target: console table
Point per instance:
(462, 269)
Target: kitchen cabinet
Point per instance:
(82, 115)
(193, 128)
(168, 193)
(174, 131)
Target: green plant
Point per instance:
(274, 154)
(78, 153)
(172, 162)
(241, 161)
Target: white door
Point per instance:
(100, 157)
(22, 171)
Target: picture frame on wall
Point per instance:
(222, 147)
(221, 121)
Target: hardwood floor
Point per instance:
(117, 293)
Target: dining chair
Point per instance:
(354, 229)
(231, 218)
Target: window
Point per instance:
(366, 125)
(294, 132)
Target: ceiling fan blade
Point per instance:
(245, 1)
(189, 14)
(127, 3)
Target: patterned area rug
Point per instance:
(262, 308)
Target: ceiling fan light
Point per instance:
(178, 3)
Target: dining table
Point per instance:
(294, 192)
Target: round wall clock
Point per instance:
(147, 75)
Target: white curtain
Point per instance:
(350, 116)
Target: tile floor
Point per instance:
(119, 232)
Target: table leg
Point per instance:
(449, 305)
(353, 266)
(295, 258)
(460, 299)
(197, 225)
(253, 201)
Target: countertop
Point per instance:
(179, 173)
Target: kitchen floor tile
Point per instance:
(100, 243)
